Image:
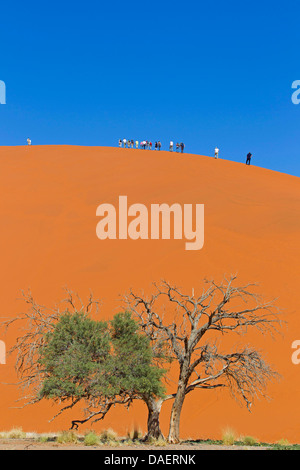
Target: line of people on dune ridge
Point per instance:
(145, 144)
(157, 146)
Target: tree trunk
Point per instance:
(173, 437)
(153, 427)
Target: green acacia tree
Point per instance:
(70, 358)
(100, 363)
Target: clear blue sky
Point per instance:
(205, 73)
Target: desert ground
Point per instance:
(32, 444)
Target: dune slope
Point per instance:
(49, 196)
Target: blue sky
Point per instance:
(205, 73)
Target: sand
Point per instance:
(48, 241)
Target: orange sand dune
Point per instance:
(49, 196)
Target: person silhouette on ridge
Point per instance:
(248, 160)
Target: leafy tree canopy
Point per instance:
(87, 359)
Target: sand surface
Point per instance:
(49, 196)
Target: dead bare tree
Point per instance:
(183, 323)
